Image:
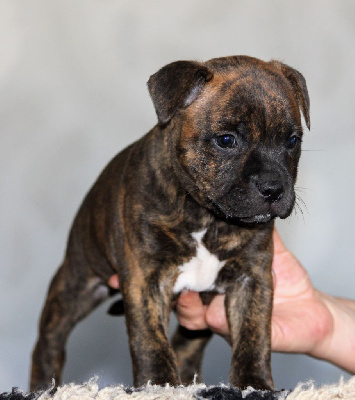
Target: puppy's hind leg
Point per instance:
(73, 293)
(189, 346)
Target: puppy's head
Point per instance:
(237, 132)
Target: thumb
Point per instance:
(279, 246)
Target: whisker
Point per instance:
(299, 208)
(311, 150)
(301, 188)
(300, 200)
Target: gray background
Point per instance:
(73, 93)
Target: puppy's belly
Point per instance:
(200, 272)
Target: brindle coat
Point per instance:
(222, 160)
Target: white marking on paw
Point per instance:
(199, 273)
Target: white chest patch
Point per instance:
(199, 273)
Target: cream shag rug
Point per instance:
(91, 391)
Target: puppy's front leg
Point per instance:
(248, 307)
(147, 309)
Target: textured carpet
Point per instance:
(91, 391)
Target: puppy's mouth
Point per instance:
(258, 219)
(261, 218)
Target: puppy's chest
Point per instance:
(199, 273)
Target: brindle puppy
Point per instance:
(190, 205)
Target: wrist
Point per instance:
(337, 340)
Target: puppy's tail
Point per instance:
(116, 308)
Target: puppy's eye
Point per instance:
(293, 141)
(226, 141)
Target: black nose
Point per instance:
(272, 190)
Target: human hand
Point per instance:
(300, 319)
(304, 320)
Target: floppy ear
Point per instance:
(176, 86)
(299, 86)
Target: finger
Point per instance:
(216, 316)
(188, 298)
(277, 334)
(279, 246)
(113, 282)
(191, 311)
